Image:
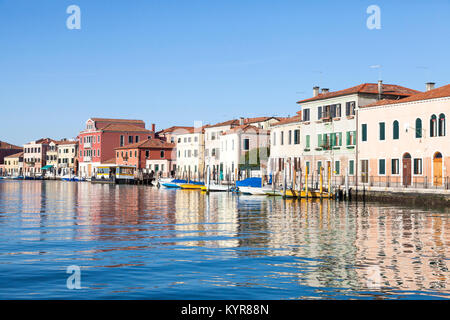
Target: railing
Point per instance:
(413, 182)
(87, 145)
(87, 159)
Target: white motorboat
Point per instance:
(255, 191)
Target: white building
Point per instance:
(285, 149)
(244, 152)
(190, 154)
(328, 129)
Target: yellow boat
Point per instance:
(190, 186)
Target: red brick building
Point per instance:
(101, 136)
(153, 154)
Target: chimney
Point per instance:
(325, 90)
(316, 91)
(153, 127)
(241, 121)
(430, 85)
(380, 89)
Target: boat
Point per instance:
(113, 174)
(173, 183)
(192, 185)
(251, 186)
(216, 188)
(271, 192)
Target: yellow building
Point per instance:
(14, 164)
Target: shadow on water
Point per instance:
(138, 242)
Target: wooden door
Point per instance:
(437, 170)
(407, 172)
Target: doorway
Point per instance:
(437, 169)
(407, 177)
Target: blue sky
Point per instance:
(175, 62)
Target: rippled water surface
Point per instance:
(137, 242)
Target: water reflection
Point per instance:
(255, 247)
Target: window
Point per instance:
(433, 126)
(319, 140)
(307, 167)
(274, 138)
(381, 166)
(418, 166)
(382, 131)
(319, 113)
(319, 166)
(395, 166)
(282, 138)
(418, 128)
(351, 138)
(247, 144)
(396, 130)
(307, 141)
(296, 136)
(136, 139)
(147, 153)
(350, 108)
(441, 129)
(122, 141)
(337, 167)
(162, 153)
(290, 137)
(351, 167)
(130, 139)
(306, 115)
(196, 153)
(364, 132)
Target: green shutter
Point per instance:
(340, 138)
(351, 167)
(337, 167)
(307, 141)
(348, 138)
(319, 140)
(333, 139)
(364, 132)
(382, 131)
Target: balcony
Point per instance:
(87, 159)
(87, 145)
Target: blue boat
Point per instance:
(249, 182)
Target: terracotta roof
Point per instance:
(66, 142)
(124, 127)
(118, 120)
(440, 92)
(245, 128)
(6, 145)
(293, 119)
(150, 143)
(372, 88)
(16, 155)
(236, 122)
(179, 129)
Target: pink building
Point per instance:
(35, 156)
(405, 142)
(102, 136)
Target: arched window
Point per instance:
(396, 132)
(433, 126)
(441, 125)
(418, 128)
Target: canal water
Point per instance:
(138, 242)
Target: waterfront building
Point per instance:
(67, 157)
(285, 150)
(52, 157)
(328, 127)
(7, 149)
(244, 151)
(405, 142)
(170, 134)
(190, 154)
(152, 154)
(35, 156)
(14, 164)
(100, 138)
(213, 143)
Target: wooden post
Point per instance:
(321, 181)
(306, 182)
(329, 181)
